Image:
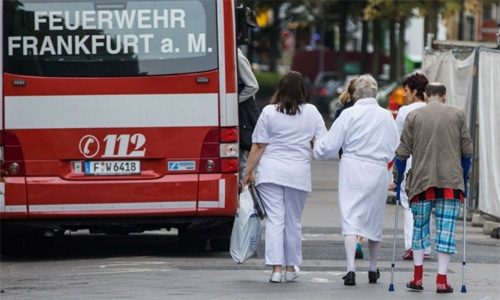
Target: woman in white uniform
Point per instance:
(281, 152)
(368, 137)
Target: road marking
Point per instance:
(121, 271)
(320, 280)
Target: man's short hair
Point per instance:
(435, 89)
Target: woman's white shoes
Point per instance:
(275, 277)
(291, 276)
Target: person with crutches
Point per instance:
(414, 86)
(437, 138)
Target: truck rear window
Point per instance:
(109, 38)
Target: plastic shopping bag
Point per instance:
(245, 236)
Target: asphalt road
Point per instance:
(153, 266)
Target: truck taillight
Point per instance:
(229, 134)
(220, 151)
(229, 165)
(12, 156)
(229, 150)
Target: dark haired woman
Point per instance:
(281, 152)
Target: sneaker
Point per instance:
(442, 288)
(291, 276)
(408, 254)
(275, 277)
(415, 285)
(359, 251)
(373, 276)
(350, 278)
(427, 256)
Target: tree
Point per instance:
(269, 36)
(397, 12)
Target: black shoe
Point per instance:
(414, 287)
(373, 276)
(350, 278)
(444, 288)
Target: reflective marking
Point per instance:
(2, 196)
(222, 198)
(222, 64)
(15, 208)
(222, 193)
(111, 111)
(113, 206)
(232, 109)
(208, 204)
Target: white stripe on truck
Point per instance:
(111, 111)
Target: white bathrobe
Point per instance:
(368, 137)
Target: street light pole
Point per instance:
(322, 40)
(322, 49)
(461, 22)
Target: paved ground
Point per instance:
(151, 266)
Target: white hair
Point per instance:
(366, 87)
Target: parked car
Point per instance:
(385, 91)
(324, 89)
(334, 106)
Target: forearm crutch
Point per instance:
(466, 162)
(400, 166)
(393, 264)
(464, 289)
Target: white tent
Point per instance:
(472, 80)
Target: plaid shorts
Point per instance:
(447, 211)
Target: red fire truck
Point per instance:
(119, 117)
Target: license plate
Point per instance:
(113, 167)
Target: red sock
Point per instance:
(441, 280)
(418, 273)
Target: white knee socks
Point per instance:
(350, 251)
(374, 248)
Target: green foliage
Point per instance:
(395, 10)
(268, 82)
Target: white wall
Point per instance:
(414, 36)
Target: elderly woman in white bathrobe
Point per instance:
(368, 136)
